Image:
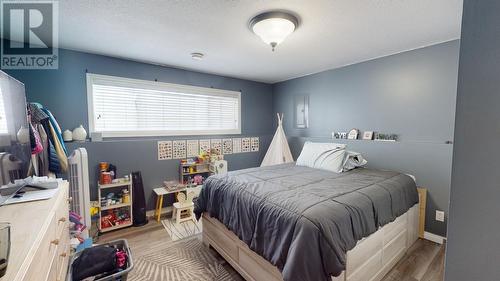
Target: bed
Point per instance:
(289, 222)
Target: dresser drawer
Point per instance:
(52, 270)
(62, 213)
(42, 260)
(62, 256)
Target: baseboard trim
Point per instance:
(434, 237)
(166, 210)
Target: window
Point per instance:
(120, 107)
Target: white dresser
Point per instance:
(39, 238)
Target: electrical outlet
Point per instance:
(440, 215)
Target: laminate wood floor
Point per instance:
(424, 261)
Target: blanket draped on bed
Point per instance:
(304, 220)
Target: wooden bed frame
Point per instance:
(371, 259)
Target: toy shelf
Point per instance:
(111, 185)
(115, 214)
(116, 206)
(111, 228)
(189, 170)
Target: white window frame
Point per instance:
(128, 82)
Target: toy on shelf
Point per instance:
(194, 171)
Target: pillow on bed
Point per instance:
(326, 156)
(353, 160)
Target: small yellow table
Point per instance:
(160, 191)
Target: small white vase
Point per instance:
(79, 134)
(23, 135)
(68, 135)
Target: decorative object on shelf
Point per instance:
(368, 135)
(237, 145)
(198, 180)
(164, 150)
(353, 134)
(23, 135)
(254, 144)
(68, 135)
(246, 145)
(302, 112)
(386, 137)
(274, 26)
(178, 149)
(339, 135)
(192, 148)
(79, 134)
(227, 146)
(105, 178)
(126, 196)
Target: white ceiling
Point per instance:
(332, 33)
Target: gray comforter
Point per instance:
(304, 220)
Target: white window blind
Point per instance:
(120, 107)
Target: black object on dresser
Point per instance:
(139, 202)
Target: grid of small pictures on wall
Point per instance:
(245, 145)
(164, 150)
(179, 149)
(192, 148)
(227, 146)
(216, 146)
(204, 146)
(237, 145)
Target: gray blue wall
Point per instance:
(64, 92)
(411, 94)
(473, 247)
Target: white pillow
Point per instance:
(353, 160)
(326, 156)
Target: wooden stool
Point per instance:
(183, 209)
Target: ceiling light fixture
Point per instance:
(197, 56)
(274, 26)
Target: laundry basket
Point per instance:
(120, 244)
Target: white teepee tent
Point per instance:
(279, 151)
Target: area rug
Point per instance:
(182, 260)
(183, 230)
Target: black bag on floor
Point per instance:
(94, 261)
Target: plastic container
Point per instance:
(119, 276)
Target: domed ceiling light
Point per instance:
(274, 26)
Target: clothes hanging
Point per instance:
(54, 154)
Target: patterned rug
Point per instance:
(183, 260)
(183, 230)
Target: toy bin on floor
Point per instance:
(118, 276)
